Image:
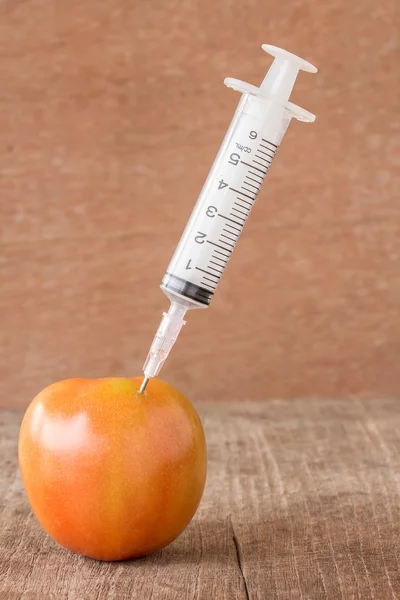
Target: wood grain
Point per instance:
(110, 116)
(302, 501)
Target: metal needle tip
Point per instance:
(144, 385)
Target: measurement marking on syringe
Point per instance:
(257, 175)
(212, 287)
(222, 267)
(267, 142)
(266, 154)
(244, 209)
(254, 191)
(239, 211)
(220, 273)
(214, 269)
(247, 190)
(252, 167)
(228, 237)
(246, 201)
(267, 166)
(264, 159)
(269, 150)
(222, 248)
(218, 265)
(227, 243)
(261, 165)
(229, 219)
(255, 181)
(243, 194)
(234, 234)
(244, 213)
(224, 260)
(253, 186)
(207, 273)
(241, 206)
(223, 255)
(234, 228)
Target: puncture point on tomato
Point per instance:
(144, 384)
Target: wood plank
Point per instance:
(302, 502)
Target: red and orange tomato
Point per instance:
(109, 472)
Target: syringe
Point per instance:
(228, 195)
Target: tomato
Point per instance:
(109, 472)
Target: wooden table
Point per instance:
(302, 501)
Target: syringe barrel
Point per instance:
(226, 199)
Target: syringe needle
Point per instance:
(144, 385)
(170, 326)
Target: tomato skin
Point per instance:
(109, 472)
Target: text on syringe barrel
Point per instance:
(226, 200)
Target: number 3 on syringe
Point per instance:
(211, 211)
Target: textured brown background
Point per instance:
(110, 116)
